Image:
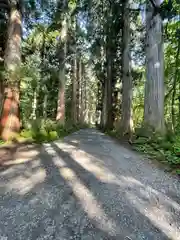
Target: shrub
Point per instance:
(176, 146)
(53, 135)
(166, 145)
(163, 148)
(49, 125)
(41, 130)
(26, 133)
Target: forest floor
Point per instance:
(86, 187)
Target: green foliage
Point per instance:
(1, 142)
(138, 96)
(161, 148)
(26, 133)
(156, 147)
(165, 145)
(53, 135)
(176, 146)
(41, 130)
(113, 133)
(165, 149)
(144, 131)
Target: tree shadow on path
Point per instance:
(67, 193)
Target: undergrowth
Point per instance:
(40, 131)
(165, 149)
(162, 149)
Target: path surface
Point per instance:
(87, 187)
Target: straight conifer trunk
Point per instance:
(60, 117)
(154, 87)
(10, 117)
(126, 121)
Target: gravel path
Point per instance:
(87, 187)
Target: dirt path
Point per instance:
(87, 187)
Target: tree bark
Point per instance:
(60, 117)
(45, 102)
(34, 105)
(154, 86)
(107, 96)
(126, 121)
(74, 90)
(179, 105)
(82, 95)
(85, 95)
(173, 110)
(1, 94)
(109, 121)
(106, 116)
(77, 90)
(10, 118)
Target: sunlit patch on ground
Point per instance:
(82, 192)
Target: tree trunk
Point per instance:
(154, 87)
(34, 105)
(45, 105)
(60, 117)
(10, 119)
(82, 95)
(85, 95)
(107, 102)
(126, 121)
(108, 89)
(98, 103)
(1, 95)
(45, 91)
(179, 106)
(77, 90)
(74, 90)
(173, 110)
(104, 116)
